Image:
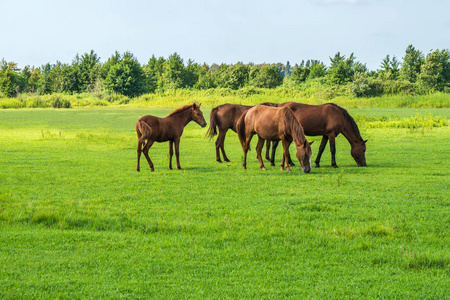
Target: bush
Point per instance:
(57, 102)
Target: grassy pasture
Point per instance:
(77, 220)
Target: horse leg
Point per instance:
(323, 143)
(219, 145)
(222, 146)
(177, 153)
(246, 147)
(274, 148)
(285, 154)
(289, 160)
(145, 150)
(259, 147)
(268, 151)
(139, 151)
(333, 151)
(170, 154)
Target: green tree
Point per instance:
(9, 79)
(126, 77)
(191, 74)
(317, 70)
(412, 63)
(287, 69)
(174, 71)
(300, 74)
(341, 70)
(435, 72)
(88, 70)
(389, 68)
(205, 79)
(267, 77)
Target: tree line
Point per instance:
(123, 74)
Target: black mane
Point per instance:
(350, 120)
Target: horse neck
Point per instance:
(350, 134)
(184, 117)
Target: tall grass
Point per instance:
(313, 93)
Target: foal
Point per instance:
(153, 129)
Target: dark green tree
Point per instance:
(267, 77)
(9, 79)
(174, 71)
(88, 70)
(287, 69)
(205, 79)
(191, 74)
(412, 63)
(300, 74)
(435, 72)
(341, 70)
(126, 77)
(317, 70)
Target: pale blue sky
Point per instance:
(35, 32)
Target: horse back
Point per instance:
(162, 129)
(265, 121)
(227, 115)
(317, 119)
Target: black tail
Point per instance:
(212, 130)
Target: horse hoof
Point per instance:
(219, 160)
(226, 159)
(317, 166)
(264, 168)
(138, 170)
(335, 166)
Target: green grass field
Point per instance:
(77, 221)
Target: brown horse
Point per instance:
(224, 117)
(328, 120)
(153, 129)
(273, 124)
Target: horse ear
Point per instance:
(365, 141)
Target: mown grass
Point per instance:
(77, 220)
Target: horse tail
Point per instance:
(143, 131)
(240, 129)
(212, 130)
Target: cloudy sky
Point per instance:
(34, 32)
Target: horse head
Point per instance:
(359, 153)
(304, 153)
(197, 115)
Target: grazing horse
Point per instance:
(273, 124)
(153, 129)
(224, 117)
(328, 120)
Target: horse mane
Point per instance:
(350, 120)
(291, 122)
(181, 109)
